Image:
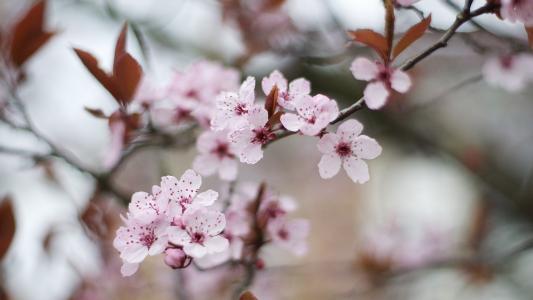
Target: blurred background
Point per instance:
(447, 213)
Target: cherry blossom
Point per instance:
(249, 141)
(290, 234)
(200, 232)
(517, 11)
(147, 208)
(183, 193)
(216, 154)
(349, 148)
(383, 79)
(286, 96)
(233, 108)
(314, 114)
(136, 240)
(510, 72)
(175, 258)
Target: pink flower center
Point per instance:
(222, 150)
(283, 234)
(343, 149)
(198, 238)
(181, 114)
(241, 109)
(506, 61)
(262, 136)
(192, 94)
(147, 239)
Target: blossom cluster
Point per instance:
(257, 216)
(174, 219)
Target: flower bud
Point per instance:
(175, 258)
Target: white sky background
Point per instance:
(59, 87)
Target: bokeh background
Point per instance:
(446, 215)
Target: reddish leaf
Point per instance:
(28, 35)
(411, 36)
(120, 47)
(373, 40)
(91, 64)
(127, 75)
(95, 112)
(7, 225)
(529, 31)
(271, 101)
(273, 4)
(275, 119)
(247, 295)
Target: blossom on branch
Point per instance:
(383, 80)
(216, 154)
(233, 108)
(510, 72)
(314, 114)
(349, 148)
(517, 11)
(290, 234)
(286, 96)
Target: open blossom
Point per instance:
(290, 234)
(249, 141)
(314, 114)
(517, 11)
(286, 96)
(183, 193)
(147, 208)
(233, 108)
(216, 154)
(199, 233)
(136, 240)
(349, 148)
(510, 72)
(383, 79)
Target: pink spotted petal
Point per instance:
(134, 254)
(299, 87)
(129, 269)
(158, 246)
(251, 154)
(349, 129)
(366, 147)
(258, 116)
(216, 244)
(291, 122)
(327, 143)
(206, 164)
(400, 81)
(206, 198)
(376, 94)
(246, 92)
(364, 69)
(356, 169)
(274, 79)
(195, 250)
(329, 165)
(178, 236)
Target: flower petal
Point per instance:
(366, 147)
(299, 87)
(329, 165)
(349, 129)
(129, 269)
(206, 198)
(216, 244)
(228, 169)
(195, 250)
(134, 254)
(206, 164)
(400, 81)
(274, 79)
(178, 236)
(364, 69)
(327, 143)
(246, 92)
(376, 94)
(251, 154)
(356, 169)
(291, 122)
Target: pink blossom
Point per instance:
(314, 114)
(517, 11)
(249, 141)
(286, 96)
(183, 193)
(290, 234)
(136, 240)
(216, 154)
(274, 206)
(510, 72)
(383, 79)
(147, 208)
(175, 258)
(200, 233)
(349, 148)
(233, 108)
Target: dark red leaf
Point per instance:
(91, 64)
(275, 119)
(247, 295)
(127, 75)
(120, 47)
(28, 34)
(95, 112)
(271, 101)
(529, 31)
(372, 39)
(411, 36)
(7, 225)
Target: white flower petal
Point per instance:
(356, 169)
(216, 244)
(376, 94)
(329, 165)
(291, 122)
(364, 69)
(400, 81)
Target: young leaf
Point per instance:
(271, 101)
(247, 295)
(127, 75)
(28, 35)
(373, 40)
(411, 36)
(275, 119)
(95, 112)
(120, 47)
(529, 31)
(7, 225)
(91, 64)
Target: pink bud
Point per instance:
(175, 258)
